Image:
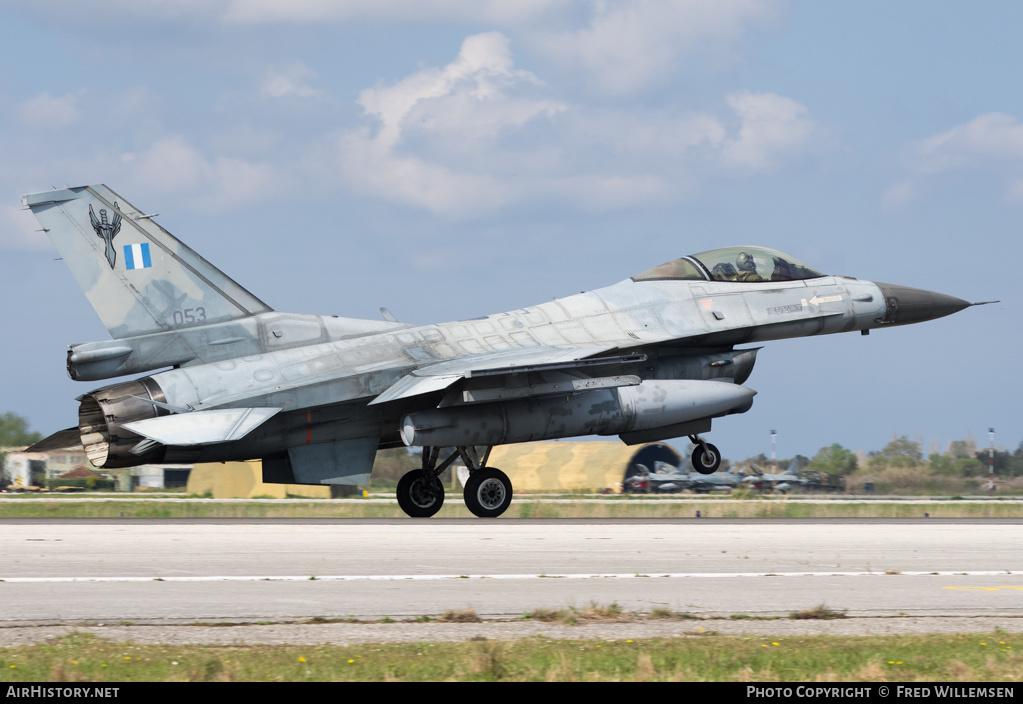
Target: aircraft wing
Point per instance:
(442, 375)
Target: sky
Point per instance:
(449, 159)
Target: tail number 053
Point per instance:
(189, 316)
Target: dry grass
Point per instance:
(592, 613)
(821, 612)
(462, 616)
(962, 672)
(644, 668)
(873, 671)
(488, 658)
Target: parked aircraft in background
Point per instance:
(720, 481)
(663, 478)
(650, 358)
(782, 482)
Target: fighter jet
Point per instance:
(706, 483)
(782, 482)
(664, 478)
(650, 358)
(668, 479)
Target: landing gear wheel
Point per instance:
(417, 497)
(488, 492)
(706, 459)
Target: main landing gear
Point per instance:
(488, 491)
(706, 458)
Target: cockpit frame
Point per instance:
(743, 264)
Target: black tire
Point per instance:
(488, 492)
(417, 498)
(706, 461)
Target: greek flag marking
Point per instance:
(136, 256)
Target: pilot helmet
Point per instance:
(745, 262)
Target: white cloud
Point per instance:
(289, 81)
(204, 14)
(638, 136)
(772, 128)
(990, 144)
(473, 86)
(469, 137)
(172, 164)
(629, 46)
(269, 11)
(479, 134)
(47, 111)
(619, 48)
(84, 112)
(455, 110)
(370, 167)
(984, 140)
(440, 141)
(899, 194)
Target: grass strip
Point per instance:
(520, 508)
(81, 657)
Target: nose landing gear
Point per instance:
(706, 457)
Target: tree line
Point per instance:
(962, 458)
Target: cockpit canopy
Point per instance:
(744, 264)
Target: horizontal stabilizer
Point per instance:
(60, 440)
(202, 427)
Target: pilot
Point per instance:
(747, 268)
(723, 272)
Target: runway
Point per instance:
(182, 571)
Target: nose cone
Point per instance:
(905, 305)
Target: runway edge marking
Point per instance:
(439, 577)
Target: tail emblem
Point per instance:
(107, 231)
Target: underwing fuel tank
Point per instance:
(650, 404)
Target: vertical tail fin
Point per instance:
(138, 277)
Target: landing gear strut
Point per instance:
(488, 491)
(706, 458)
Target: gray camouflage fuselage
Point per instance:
(644, 359)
